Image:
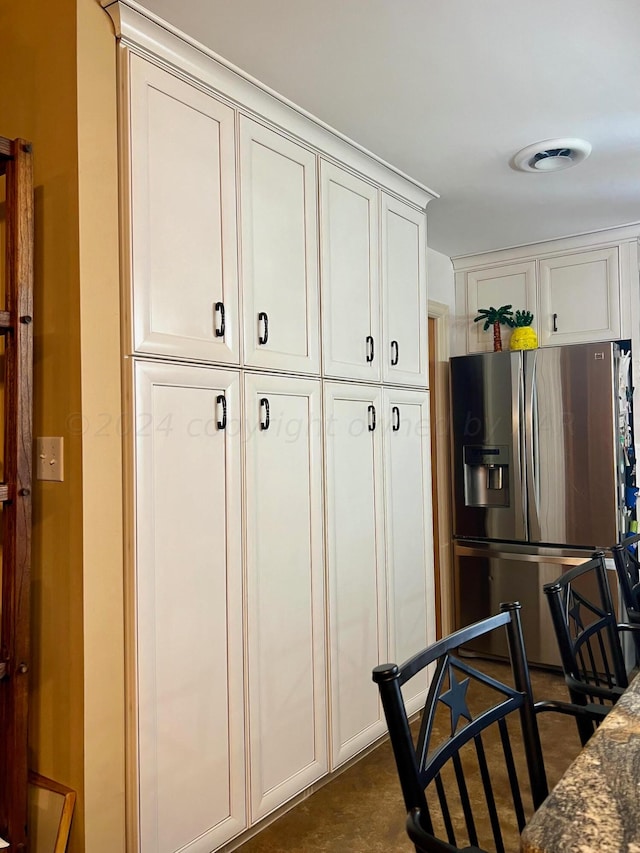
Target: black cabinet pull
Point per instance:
(263, 318)
(555, 322)
(220, 328)
(372, 417)
(264, 405)
(369, 340)
(395, 352)
(221, 400)
(395, 415)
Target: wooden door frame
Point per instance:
(440, 433)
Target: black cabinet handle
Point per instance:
(263, 318)
(369, 340)
(395, 353)
(264, 406)
(395, 416)
(555, 322)
(221, 400)
(220, 328)
(371, 410)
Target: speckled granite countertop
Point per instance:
(595, 808)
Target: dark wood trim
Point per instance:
(16, 515)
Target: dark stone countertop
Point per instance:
(595, 808)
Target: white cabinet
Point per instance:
(507, 284)
(183, 251)
(404, 294)
(408, 528)
(279, 251)
(350, 281)
(579, 297)
(285, 589)
(188, 609)
(580, 289)
(355, 556)
(262, 594)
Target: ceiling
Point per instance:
(449, 90)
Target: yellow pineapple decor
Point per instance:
(524, 335)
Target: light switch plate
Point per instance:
(50, 458)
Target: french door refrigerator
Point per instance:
(541, 443)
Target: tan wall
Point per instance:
(62, 100)
(101, 445)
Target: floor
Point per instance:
(361, 810)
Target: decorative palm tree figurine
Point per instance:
(495, 317)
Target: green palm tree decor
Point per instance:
(495, 317)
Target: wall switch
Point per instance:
(50, 458)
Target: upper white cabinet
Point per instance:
(404, 294)
(507, 284)
(279, 251)
(183, 249)
(350, 282)
(579, 297)
(579, 289)
(189, 667)
(285, 589)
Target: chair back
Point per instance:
(465, 729)
(625, 557)
(586, 628)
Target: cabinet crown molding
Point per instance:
(143, 32)
(561, 245)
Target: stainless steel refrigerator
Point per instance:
(541, 445)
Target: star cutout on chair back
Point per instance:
(456, 699)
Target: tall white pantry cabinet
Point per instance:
(278, 464)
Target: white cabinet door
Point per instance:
(350, 281)
(508, 284)
(285, 589)
(279, 251)
(188, 588)
(355, 555)
(409, 529)
(579, 297)
(404, 294)
(183, 219)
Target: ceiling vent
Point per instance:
(551, 155)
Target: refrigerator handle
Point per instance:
(517, 395)
(531, 449)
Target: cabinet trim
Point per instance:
(561, 246)
(141, 30)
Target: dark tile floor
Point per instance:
(361, 811)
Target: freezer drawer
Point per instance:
(485, 577)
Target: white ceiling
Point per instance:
(449, 90)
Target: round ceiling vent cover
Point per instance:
(551, 155)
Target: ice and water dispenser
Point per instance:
(486, 475)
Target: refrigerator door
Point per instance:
(487, 405)
(570, 445)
